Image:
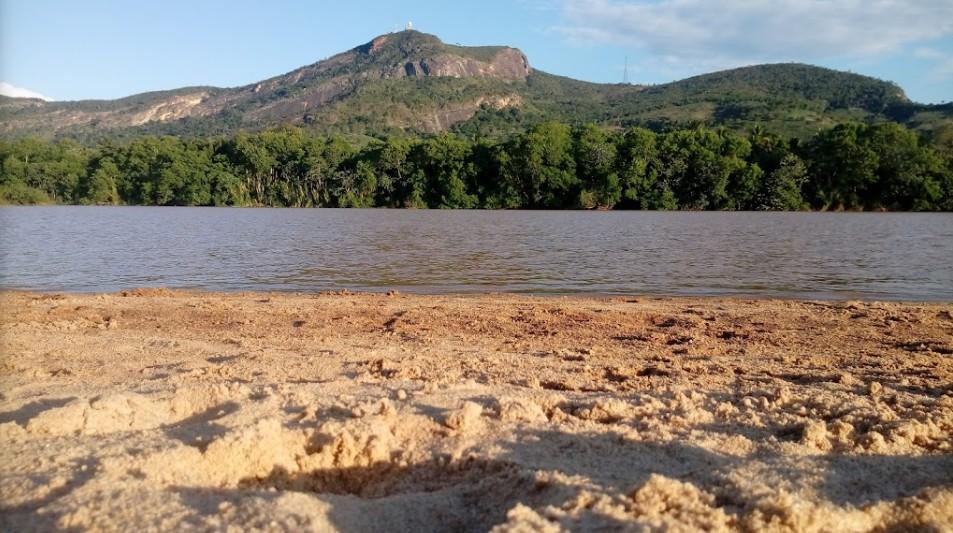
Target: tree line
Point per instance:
(550, 166)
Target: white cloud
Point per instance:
(942, 68)
(7, 89)
(928, 53)
(695, 33)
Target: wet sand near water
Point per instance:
(160, 410)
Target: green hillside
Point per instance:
(412, 83)
(793, 100)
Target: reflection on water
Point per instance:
(804, 255)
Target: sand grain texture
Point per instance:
(163, 410)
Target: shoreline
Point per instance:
(476, 294)
(879, 211)
(287, 411)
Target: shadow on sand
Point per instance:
(475, 494)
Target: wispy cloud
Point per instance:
(7, 89)
(928, 53)
(943, 70)
(540, 5)
(711, 33)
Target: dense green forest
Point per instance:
(549, 166)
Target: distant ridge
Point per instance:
(412, 81)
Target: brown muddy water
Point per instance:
(895, 256)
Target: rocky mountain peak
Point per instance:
(412, 53)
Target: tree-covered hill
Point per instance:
(412, 83)
(791, 99)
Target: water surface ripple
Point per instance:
(896, 256)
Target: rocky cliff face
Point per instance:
(419, 54)
(508, 64)
(442, 119)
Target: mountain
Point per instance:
(412, 81)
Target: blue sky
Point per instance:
(71, 50)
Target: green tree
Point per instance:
(100, 186)
(699, 164)
(909, 174)
(781, 188)
(54, 168)
(638, 166)
(841, 168)
(393, 169)
(540, 166)
(595, 156)
(442, 164)
(356, 187)
(226, 189)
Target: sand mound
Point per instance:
(225, 413)
(125, 411)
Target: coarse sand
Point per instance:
(154, 410)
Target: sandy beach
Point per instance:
(164, 410)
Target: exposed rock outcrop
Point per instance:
(508, 64)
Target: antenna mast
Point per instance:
(625, 73)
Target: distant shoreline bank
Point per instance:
(477, 295)
(387, 208)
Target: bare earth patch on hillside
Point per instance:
(167, 410)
